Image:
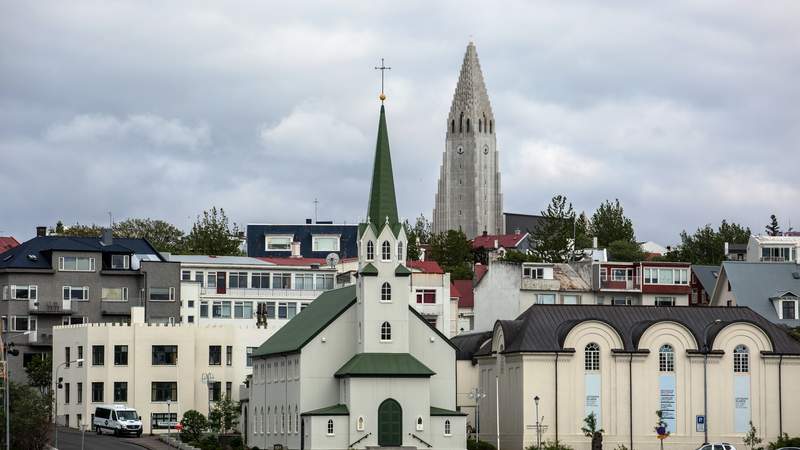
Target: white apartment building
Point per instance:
(160, 370)
(773, 249)
(228, 289)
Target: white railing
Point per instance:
(775, 259)
(33, 337)
(428, 309)
(263, 293)
(54, 307)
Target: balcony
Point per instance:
(302, 294)
(428, 309)
(633, 283)
(539, 284)
(56, 307)
(778, 259)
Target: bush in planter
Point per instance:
(193, 423)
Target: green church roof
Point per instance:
(369, 270)
(310, 322)
(402, 271)
(384, 365)
(335, 410)
(382, 201)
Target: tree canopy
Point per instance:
(609, 224)
(453, 251)
(706, 245)
(418, 234)
(773, 228)
(552, 238)
(212, 234)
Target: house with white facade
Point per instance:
(360, 367)
(773, 249)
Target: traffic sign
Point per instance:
(700, 423)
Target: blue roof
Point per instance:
(41, 247)
(756, 284)
(256, 239)
(707, 276)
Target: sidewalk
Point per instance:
(148, 442)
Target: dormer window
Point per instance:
(386, 251)
(122, 262)
(536, 273)
(788, 309)
(325, 243)
(279, 243)
(370, 251)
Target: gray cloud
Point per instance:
(687, 112)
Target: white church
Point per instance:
(359, 368)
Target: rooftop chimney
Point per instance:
(594, 242)
(107, 238)
(296, 250)
(308, 221)
(41, 231)
(485, 233)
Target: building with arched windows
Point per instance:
(359, 367)
(624, 364)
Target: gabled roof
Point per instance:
(425, 266)
(7, 243)
(369, 270)
(469, 343)
(40, 248)
(466, 297)
(384, 365)
(480, 272)
(335, 410)
(753, 284)
(402, 271)
(503, 240)
(707, 276)
(311, 321)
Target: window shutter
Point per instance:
(125, 293)
(127, 262)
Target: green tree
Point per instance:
(590, 430)
(583, 238)
(193, 424)
(212, 234)
(706, 245)
(772, 228)
(453, 252)
(625, 251)
(78, 230)
(30, 418)
(40, 372)
(751, 439)
(418, 235)
(164, 236)
(609, 224)
(224, 416)
(552, 238)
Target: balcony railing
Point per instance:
(633, 283)
(775, 259)
(50, 306)
(428, 309)
(263, 293)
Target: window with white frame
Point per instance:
(23, 323)
(666, 358)
(654, 275)
(324, 281)
(665, 301)
(21, 292)
(789, 309)
(400, 251)
(447, 431)
(120, 261)
(741, 359)
(325, 243)
(304, 281)
(426, 296)
(620, 274)
(386, 332)
(282, 281)
(370, 251)
(535, 273)
(386, 292)
(330, 427)
(114, 294)
(76, 264)
(260, 280)
(237, 280)
(591, 355)
(212, 280)
(186, 275)
(546, 299)
(162, 293)
(386, 251)
(570, 299)
(279, 243)
(621, 301)
(78, 293)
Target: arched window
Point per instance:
(461, 123)
(453, 126)
(666, 358)
(265, 419)
(386, 331)
(447, 427)
(283, 420)
(296, 420)
(420, 427)
(485, 124)
(360, 423)
(330, 427)
(480, 125)
(386, 251)
(491, 127)
(386, 292)
(467, 125)
(741, 359)
(370, 251)
(399, 251)
(289, 430)
(591, 357)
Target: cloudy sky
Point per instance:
(688, 112)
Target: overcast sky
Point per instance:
(688, 112)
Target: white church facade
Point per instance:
(359, 367)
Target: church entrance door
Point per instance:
(390, 424)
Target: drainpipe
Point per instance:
(630, 396)
(780, 397)
(556, 395)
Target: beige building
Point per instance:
(624, 364)
(156, 369)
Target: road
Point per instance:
(71, 440)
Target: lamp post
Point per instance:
(169, 419)
(538, 432)
(7, 376)
(55, 394)
(705, 376)
(477, 394)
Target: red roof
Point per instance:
(480, 271)
(425, 266)
(285, 261)
(7, 243)
(503, 240)
(463, 290)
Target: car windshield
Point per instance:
(127, 415)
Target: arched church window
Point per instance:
(289, 429)
(370, 251)
(265, 419)
(591, 357)
(741, 359)
(453, 126)
(386, 332)
(491, 127)
(461, 123)
(485, 124)
(296, 420)
(330, 427)
(283, 420)
(360, 423)
(386, 292)
(480, 125)
(666, 358)
(386, 251)
(467, 125)
(399, 251)
(420, 427)
(447, 428)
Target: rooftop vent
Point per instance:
(33, 257)
(41, 231)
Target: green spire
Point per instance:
(382, 202)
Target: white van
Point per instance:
(118, 418)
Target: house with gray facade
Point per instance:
(63, 280)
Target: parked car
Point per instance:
(120, 419)
(717, 446)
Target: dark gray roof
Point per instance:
(543, 328)
(522, 222)
(41, 247)
(707, 276)
(469, 343)
(755, 284)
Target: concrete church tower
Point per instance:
(468, 196)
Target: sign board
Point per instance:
(666, 394)
(741, 403)
(592, 396)
(700, 423)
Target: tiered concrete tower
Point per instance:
(468, 196)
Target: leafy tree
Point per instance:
(609, 224)
(772, 228)
(224, 416)
(213, 235)
(583, 238)
(453, 252)
(164, 236)
(784, 441)
(706, 245)
(30, 418)
(590, 430)
(193, 424)
(418, 234)
(552, 238)
(422, 229)
(40, 372)
(751, 439)
(78, 230)
(625, 251)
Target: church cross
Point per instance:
(383, 69)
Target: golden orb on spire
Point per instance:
(382, 96)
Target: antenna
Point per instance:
(316, 204)
(110, 220)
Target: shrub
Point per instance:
(784, 441)
(472, 444)
(193, 423)
(550, 445)
(209, 442)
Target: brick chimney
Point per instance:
(41, 231)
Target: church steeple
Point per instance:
(382, 201)
(471, 100)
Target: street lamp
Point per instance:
(705, 377)
(55, 394)
(169, 418)
(477, 394)
(14, 352)
(538, 432)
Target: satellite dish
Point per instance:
(332, 259)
